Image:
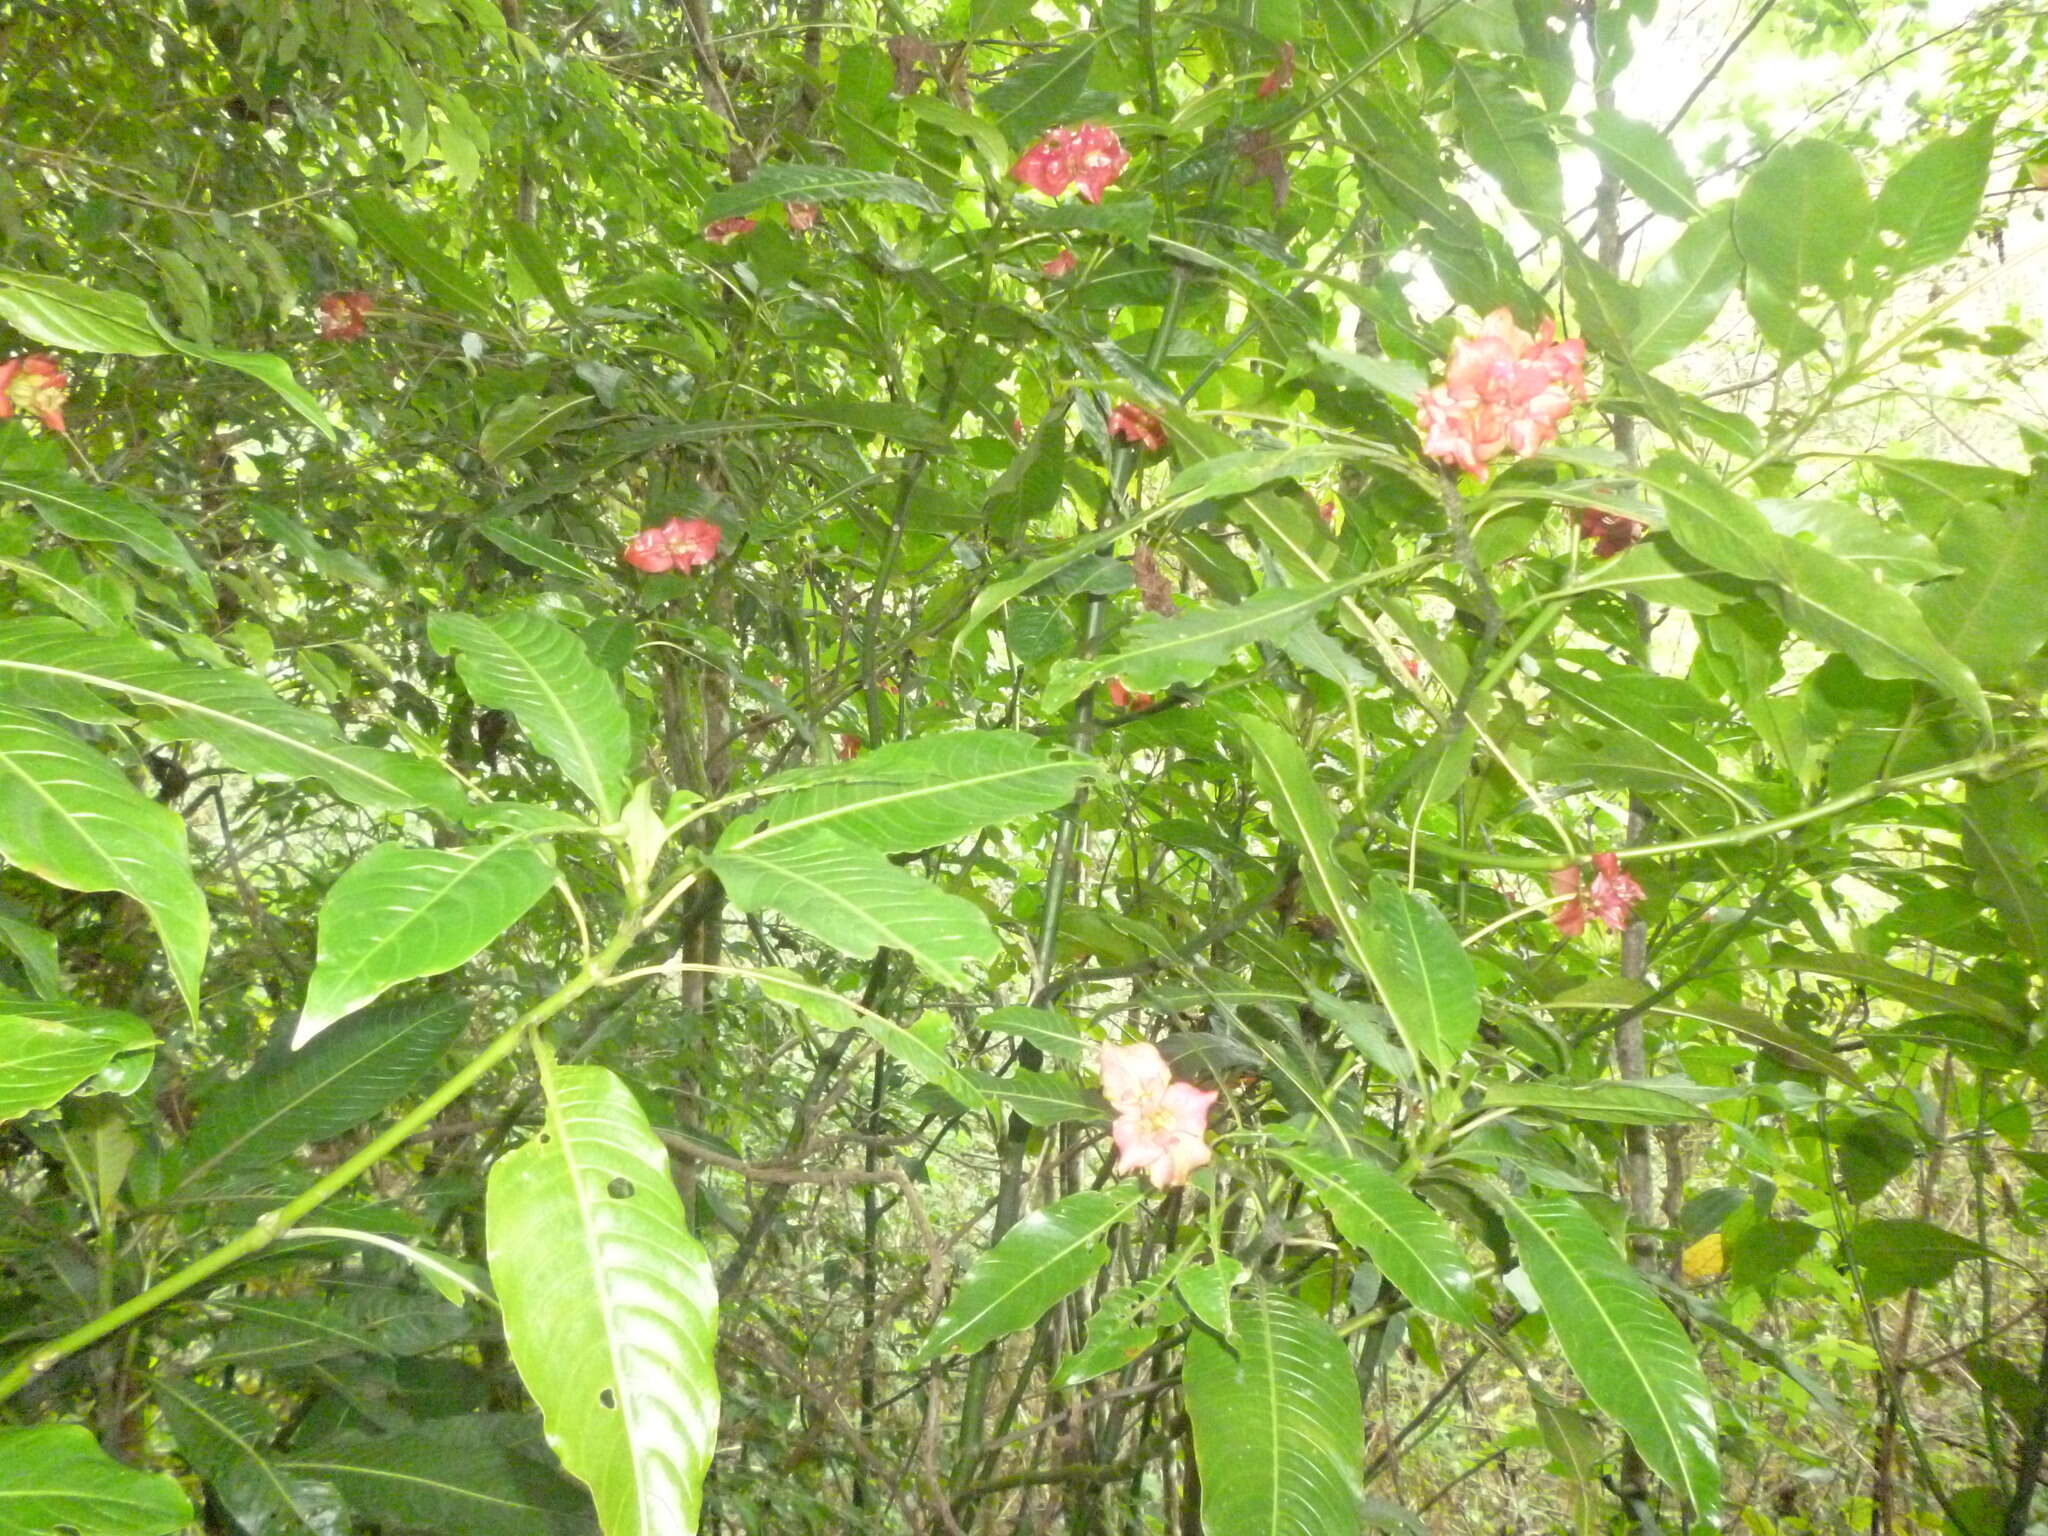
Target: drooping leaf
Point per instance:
(1040, 91)
(521, 425)
(1928, 206)
(1421, 971)
(2005, 842)
(922, 1050)
(102, 515)
(786, 182)
(1604, 1100)
(1043, 1098)
(854, 899)
(1898, 1254)
(50, 1049)
(1278, 1428)
(399, 913)
(1044, 1258)
(415, 246)
(609, 1307)
(532, 667)
(69, 817)
(1626, 1349)
(55, 1477)
(1802, 214)
(1643, 159)
(350, 1073)
(1988, 614)
(1413, 1246)
(60, 313)
(228, 1437)
(1686, 289)
(476, 1474)
(1509, 139)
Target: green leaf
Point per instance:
(102, 515)
(48, 1050)
(543, 554)
(1421, 973)
(1627, 1350)
(923, 1051)
(531, 255)
(477, 1474)
(1206, 1289)
(415, 246)
(1642, 159)
(784, 182)
(1043, 1259)
(399, 913)
(1801, 215)
(1989, 614)
(1899, 1254)
(1394, 379)
(1233, 474)
(276, 1331)
(1040, 91)
(230, 711)
(55, 1477)
(1895, 981)
(1053, 1033)
(267, 369)
(525, 423)
(1508, 137)
(609, 1307)
(2005, 843)
(1606, 1101)
(539, 671)
(351, 1073)
(1711, 523)
(1279, 1436)
(1686, 290)
(227, 1437)
(922, 793)
(1043, 1098)
(1413, 1246)
(69, 817)
(855, 900)
(1928, 207)
(75, 318)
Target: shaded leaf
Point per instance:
(1413, 1246)
(55, 1477)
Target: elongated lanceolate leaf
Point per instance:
(1421, 971)
(350, 1073)
(476, 1474)
(50, 1049)
(541, 673)
(228, 1439)
(1040, 1261)
(230, 711)
(1929, 206)
(401, 912)
(55, 1477)
(1279, 1436)
(922, 793)
(68, 816)
(1413, 1246)
(1627, 1350)
(922, 1051)
(102, 515)
(609, 1306)
(857, 901)
(1686, 289)
(784, 182)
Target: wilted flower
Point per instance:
(801, 216)
(680, 544)
(1088, 155)
(1160, 1122)
(1135, 424)
(35, 386)
(1282, 75)
(1611, 532)
(1061, 265)
(1570, 918)
(1503, 389)
(1123, 698)
(849, 746)
(1155, 590)
(724, 231)
(1615, 892)
(342, 314)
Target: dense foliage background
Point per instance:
(498, 1038)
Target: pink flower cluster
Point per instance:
(1503, 389)
(1160, 1122)
(680, 544)
(35, 386)
(342, 315)
(1137, 426)
(1090, 156)
(725, 231)
(1614, 896)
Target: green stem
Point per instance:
(272, 1225)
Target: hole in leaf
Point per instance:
(620, 1189)
(608, 1398)
(543, 1138)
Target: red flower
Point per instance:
(724, 231)
(1089, 155)
(1412, 665)
(680, 544)
(1282, 75)
(1326, 509)
(801, 216)
(1615, 892)
(1503, 389)
(342, 314)
(849, 747)
(1123, 698)
(1017, 426)
(1061, 265)
(1613, 532)
(36, 386)
(1570, 918)
(1135, 424)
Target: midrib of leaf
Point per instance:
(893, 933)
(1306, 602)
(250, 1453)
(1027, 1274)
(461, 1490)
(340, 766)
(601, 788)
(907, 793)
(355, 971)
(72, 819)
(1265, 1316)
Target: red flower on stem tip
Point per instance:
(725, 231)
(1135, 424)
(342, 314)
(1061, 265)
(1611, 532)
(1123, 698)
(1087, 155)
(1615, 892)
(34, 386)
(680, 544)
(1282, 75)
(801, 216)
(1503, 389)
